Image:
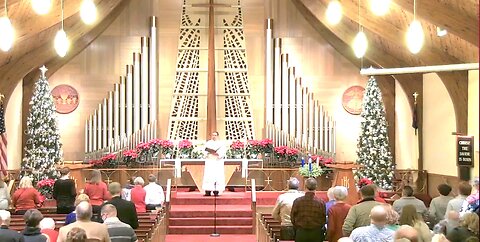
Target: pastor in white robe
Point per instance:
(214, 172)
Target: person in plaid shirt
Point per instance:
(308, 215)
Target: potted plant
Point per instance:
(130, 157)
(236, 149)
(45, 187)
(185, 148)
(143, 150)
(311, 170)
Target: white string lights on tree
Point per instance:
(88, 12)
(41, 6)
(61, 42)
(8, 33)
(360, 42)
(415, 36)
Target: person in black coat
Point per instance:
(6, 234)
(64, 192)
(32, 232)
(126, 209)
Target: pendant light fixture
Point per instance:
(61, 42)
(334, 12)
(88, 12)
(360, 42)
(8, 34)
(41, 6)
(379, 7)
(415, 37)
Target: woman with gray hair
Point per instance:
(138, 195)
(337, 213)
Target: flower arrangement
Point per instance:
(285, 153)
(45, 187)
(260, 146)
(236, 149)
(310, 170)
(143, 148)
(185, 148)
(129, 157)
(107, 161)
(267, 145)
(159, 145)
(364, 182)
(323, 162)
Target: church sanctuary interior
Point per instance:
(228, 105)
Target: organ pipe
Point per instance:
(269, 72)
(144, 83)
(136, 92)
(153, 69)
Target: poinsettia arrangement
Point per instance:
(107, 161)
(286, 153)
(364, 182)
(45, 187)
(185, 147)
(236, 148)
(322, 162)
(129, 157)
(160, 145)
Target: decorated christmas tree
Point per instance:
(373, 150)
(43, 147)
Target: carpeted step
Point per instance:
(208, 221)
(210, 201)
(209, 229)
(195, 211)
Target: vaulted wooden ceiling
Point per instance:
(34, 38)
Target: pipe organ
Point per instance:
(293, 116)
(128, 115)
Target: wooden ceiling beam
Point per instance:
(459, 17)
(39, 49)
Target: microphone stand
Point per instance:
(215, 195)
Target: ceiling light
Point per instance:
(8, 33)
(88, 11)
(379, 7)
(441, 32)
(334, 12)
(415, 37)
(61, 42)
(360, 44)
(41, 6)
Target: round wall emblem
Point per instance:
(352, 99)
(65, 98)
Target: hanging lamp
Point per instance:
(61, 42)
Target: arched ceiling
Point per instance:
(386, 36)
(33, 45)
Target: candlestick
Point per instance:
(310, 166)
(303, 161)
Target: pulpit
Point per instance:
(343, 176)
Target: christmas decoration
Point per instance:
(373, 150)
(43, 147)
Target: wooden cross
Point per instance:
(211, 88)
(415, 95)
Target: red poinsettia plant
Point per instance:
(185, 147)
(286, 153)
(129, 157)
(161, 145)
(236, 149)
(107, 161)
(364, 182)
(45, 187)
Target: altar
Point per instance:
(195, 167)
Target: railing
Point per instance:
(254, 205)
(167, 204)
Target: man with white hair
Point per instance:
(47, 227)
(94, 230)
(283, 207)
(377, 230)
(7, 234)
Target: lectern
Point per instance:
(343, 176)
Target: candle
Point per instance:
(318, 160)
(310, 166)
(303, 161)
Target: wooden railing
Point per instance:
(167, 204)
(254, 205)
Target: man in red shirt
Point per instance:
(308, 215)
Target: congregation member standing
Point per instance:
(32, 232)
(93, 230)
(283, 207)
(96, 190)
(337, 213)
(64, 192)
(72, 217)
(464, 190)
(26, 196)
(411, 217)
(408, 199)
(359, 214)
(154, 193)
(47, 227)
(438, 205)
(125, 209)
(377, 230)
(7, 234)
(138, 195)
(308, 215)
(117, 230)
(4, 195)
(468, 228)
